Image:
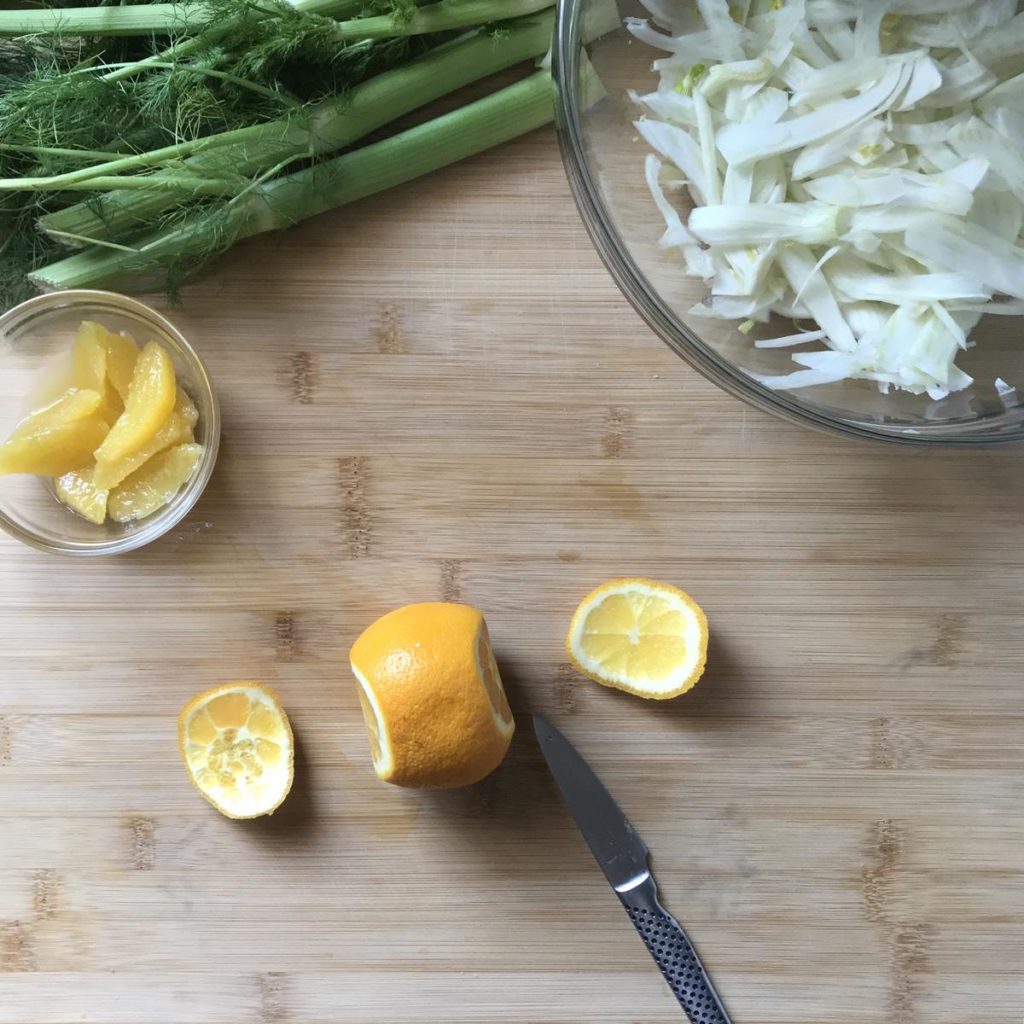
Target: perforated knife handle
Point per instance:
(675, 956)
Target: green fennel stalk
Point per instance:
(275, 204)
(58, 110)
(143, 19)
(185, 18)
(442, 16)
(325, 127)
(135, 20)
(221, 29)
(162, 168)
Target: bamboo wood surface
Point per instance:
(441, 394)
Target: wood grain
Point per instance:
(441, 394)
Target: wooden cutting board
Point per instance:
(441, 394)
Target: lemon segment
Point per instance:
(153, 485)
(435, 709)
(89, 357)
(73, 405)
(55, 448)
(227, 754)
(122, 354)
(641, 636)
(151, 397)
(79, 492)
(177, 429)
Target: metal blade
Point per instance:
(618, 850)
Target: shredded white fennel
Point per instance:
(855, 164)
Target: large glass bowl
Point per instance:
(604, 160)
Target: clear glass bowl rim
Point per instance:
(633, 283)
(157, 525)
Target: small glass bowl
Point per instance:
(35, 342)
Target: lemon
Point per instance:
(641, 636)
(153, 485)
(238, 749)
(432, 697)
(177, 429)
(151, 397)
(73, 405)
(58, 438)
(79, 491)
(122, 355)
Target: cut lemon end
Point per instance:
(641, 636)
(490, 679)
(237, 746)
(376, 730)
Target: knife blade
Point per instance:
(623, 857)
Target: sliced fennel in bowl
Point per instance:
(856, 166)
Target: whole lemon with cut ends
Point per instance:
(433, 700)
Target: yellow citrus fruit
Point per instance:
(89, 357)
(153, 485)
(177, 429)
(432, 697)
(48, 444)
(122, 354)
(238, 749)
(90, 369)
(641, 636)
(72, 405)
(79, 492)
(151, 397)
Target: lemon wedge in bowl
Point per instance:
(647, 638)
(237, 745)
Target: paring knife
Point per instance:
(622, 855)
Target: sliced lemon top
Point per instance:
(237, 746)
(432, 696)
(641, 636)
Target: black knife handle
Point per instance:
(675, 956)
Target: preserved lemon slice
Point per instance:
(89, 369)
(637, 635)
(78, 491)
(176, 430)
(122, 353)
(433, 701)
(151, 397)
(54, 447)
(89, 359)
(238, 749)
(73, 405)
(153, 486)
